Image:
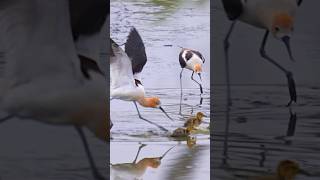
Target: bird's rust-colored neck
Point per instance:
(152, 102)
(283, 20)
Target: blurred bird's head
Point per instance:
(282, 29)
(288, 169)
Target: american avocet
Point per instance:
(44, 77)
(125, 69)
(287, 169)
(275, 16)
(192, 60)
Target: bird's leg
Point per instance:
(180, 90)
(201, 91)
(94, 169)
(135, 159)
(199, 74)
(226, 54)
(291, 83)
(160, 127)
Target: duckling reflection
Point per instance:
(286, 170)
(135, 170)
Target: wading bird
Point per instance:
(192, 60)
(45, 77)
(125, 69)
(276, 17)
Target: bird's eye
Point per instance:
(292, 29)
(277, 29)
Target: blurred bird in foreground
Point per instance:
(286, 170)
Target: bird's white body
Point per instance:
(122, 79)
(260, 13)
(42, 79)
(195, 59)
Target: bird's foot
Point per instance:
(292, 88)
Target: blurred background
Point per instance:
(261, 130)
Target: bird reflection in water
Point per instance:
(135, 170)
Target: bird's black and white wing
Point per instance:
(120, 68)
(135, 49)
(199, 55)
(233, 8)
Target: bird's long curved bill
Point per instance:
(165, 113)
(166, 153)
(286, 41)
(199, 74)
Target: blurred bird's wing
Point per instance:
(36, 40)
(120, 68)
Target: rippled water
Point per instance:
(262, 132)
(163, 26)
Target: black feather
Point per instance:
(87, 16)
(299, 2)
(181, 60)
(233, 8)
(135, 50)
(198, 54)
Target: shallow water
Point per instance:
(262, 132)
(163, 26)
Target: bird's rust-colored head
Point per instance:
(287, 169)
(282, 24)
(153, 102)
(282, 28)
(197, 68)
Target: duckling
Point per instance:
(182, 132)
(286, 169)
(195, 121)
(191, 141)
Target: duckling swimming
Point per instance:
(286, 170)
(135, 170)
(195, 121)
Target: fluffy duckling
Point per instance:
(286, 169)
(195, 121)
(182, 132)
